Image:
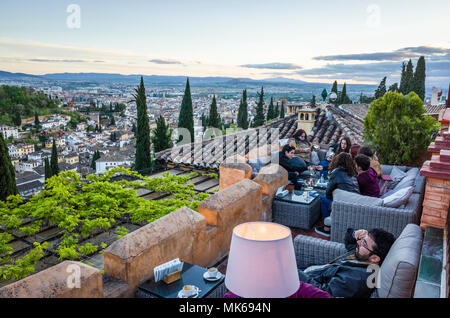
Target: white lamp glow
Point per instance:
(261, 263)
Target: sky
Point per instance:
(356, 41)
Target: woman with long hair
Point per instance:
(342, 176)
(302, 146)
(344, 145)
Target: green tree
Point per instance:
(142, 157)
(397, 127)
(37, 123)
(277, 111)
(393, 88)
(54, 160)
(334, 89)
(186, 117)
(381, 90)
(242, 118)
(162, 135)
(113, 121)
(313, 101)
(419, 78)
(344, 99)
(17, 120)
(259, 117)
(7, 174)
(325, 94)
(113, 137)
(270, 110)
(48, 170)
(282, 110)
(403, 79)
(409, 78)
(133, 129)
(94, 159)
(213, 118)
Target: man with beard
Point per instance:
(347, 275)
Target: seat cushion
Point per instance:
(399, 269)
(352, 197)
(398, 198)
(408, 180)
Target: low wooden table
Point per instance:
(190, 275)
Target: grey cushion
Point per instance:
(399, 269)
(257, 164)
(398, 198)
(352, 197)
(397, 174)
(408, 180)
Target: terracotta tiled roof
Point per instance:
(333, 123)
(211, 153)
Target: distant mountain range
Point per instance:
(150, 79)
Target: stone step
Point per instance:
(445, 155)
(441, 141)
(428, 171)
(437, 164)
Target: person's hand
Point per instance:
(297, 173)
(319, 168)
(360, 234)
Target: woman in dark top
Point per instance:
(367, 177)
(343, 146)
(342, 177)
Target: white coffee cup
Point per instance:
(189, 290)
(212, 272)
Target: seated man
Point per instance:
(294, 165)
(347, 275)
(367, 177)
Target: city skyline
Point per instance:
(360, 42)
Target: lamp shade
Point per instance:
(261, 262)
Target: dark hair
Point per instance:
(347, 149)
(383, 242)
(363, 162)
(365, 150)
(344, 161)
(300, 132)
(287, 148)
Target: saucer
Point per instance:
(180, 293)
(212, 279)
(309, 188)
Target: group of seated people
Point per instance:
(354, 172)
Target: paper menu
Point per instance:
(170, 267)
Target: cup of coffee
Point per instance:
(212, 272)
(189, 290)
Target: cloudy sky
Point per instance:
(356, 41)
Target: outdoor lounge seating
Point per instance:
(398, 272)
(357, 211)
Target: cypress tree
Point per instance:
(133, 129)
(94, 159)
(313, 101)
(214, 118)
(186, 118)
(48, 171)
(54, 160)
(325, 94)
(239, 114)
(282, 110)
(344, 97)
(36, 120)
(113, 121)
(335, 88)
(409, 78)
(277, 111)
(419, 78)
(7, 174)
(243, 122)
(381, 90)
(259, 117)
(403, 79)
(162, 135)
(142, 157)
(270, 110)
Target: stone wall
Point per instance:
(231, 173)
(64, 280)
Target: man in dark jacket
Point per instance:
(348, 275)
(294, 165)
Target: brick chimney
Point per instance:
(437, 171)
